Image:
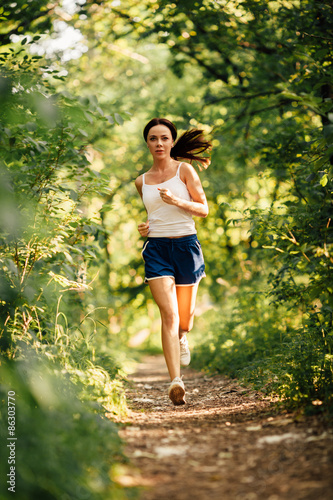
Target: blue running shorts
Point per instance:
(178, 258)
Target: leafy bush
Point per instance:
(63, 379)
(65, 448)
(262, 343)
(46, 240)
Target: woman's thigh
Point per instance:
(164, 293)
(186, 297)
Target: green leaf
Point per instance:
(89, 116)
(118, 119)
(311, 177)
(110, 119)
(73, 195)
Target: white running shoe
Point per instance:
(185, 355)
(177, 391)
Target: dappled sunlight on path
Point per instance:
(227, 442)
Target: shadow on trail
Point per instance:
(228, 442)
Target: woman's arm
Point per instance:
(138, 184)
(199, 206)
(143, 228)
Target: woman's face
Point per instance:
(159, 141)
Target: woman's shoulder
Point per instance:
(186, 170)
(139, 184)
(185, 166)
(139, 180)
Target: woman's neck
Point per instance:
(163, 164)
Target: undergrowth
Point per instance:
(269, 347)
(65, 446)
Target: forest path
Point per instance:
(227, 442)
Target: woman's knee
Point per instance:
(170, 319)
(186, 324)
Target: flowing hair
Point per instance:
(190, 145)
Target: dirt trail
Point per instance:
(227, 443)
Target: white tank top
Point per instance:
(167, 220)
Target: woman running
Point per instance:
(172, 193)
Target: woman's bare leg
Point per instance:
(165, 296)
(186, 297)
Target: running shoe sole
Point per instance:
(177, 395)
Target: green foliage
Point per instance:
(262, 344)
(242, 334)
(23, 17)
(55, 355)
(64, 448)
(47, 241)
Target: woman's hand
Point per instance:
(167, 196)
(143, 229)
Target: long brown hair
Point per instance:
(190, 145)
